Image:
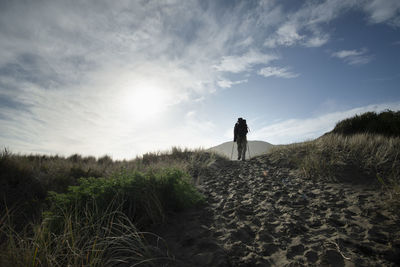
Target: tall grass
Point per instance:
(85, 240)
(85, 211)
(25, 180)
(361, 158)
(146, 198)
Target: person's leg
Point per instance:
(239, 148)
(244, 147)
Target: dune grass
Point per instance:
(386, 123)
(146, 198)
(85, 239)
(85, 211)
(370, 159)
(26, 179)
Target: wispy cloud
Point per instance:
(229, 84)
(245, 62)
(298, 130)
(384, 11)
(306, 26)
(286, 35)
(277, 72)
(353, 57)
(317, 40)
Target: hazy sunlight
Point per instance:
(143, 99)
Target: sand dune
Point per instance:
(255, 148)
(260, 213)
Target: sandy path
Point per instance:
(259, 214)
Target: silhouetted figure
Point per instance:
(239, 136)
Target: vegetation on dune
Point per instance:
(386, 123)
(84, 211)
(358, 158)
(146, 198)
(86, 239)
(363, 150)
(26, 179)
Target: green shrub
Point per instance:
(145, 198)
(386, 123)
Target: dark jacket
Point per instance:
(240, 130)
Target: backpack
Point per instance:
(242, 128)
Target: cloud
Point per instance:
(286, 35)
(244, 62)
(277, 72)
(299, 130)
(317, 40)
(228, 83)
(246, 42)
(384, 11)
(353, 57)
(306, 26)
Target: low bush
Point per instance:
(385, 123)
(145, 198)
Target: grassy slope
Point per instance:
(361, 158)
(361, 149)
(82, 211)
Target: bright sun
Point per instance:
(143, 100)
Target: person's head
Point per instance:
(240, 119)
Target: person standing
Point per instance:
(239, 135)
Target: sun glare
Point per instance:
(144, 100)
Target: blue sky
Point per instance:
(128, 77)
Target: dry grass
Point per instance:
(25, 180)
(362, 159)
(85, 238)
(111, 240)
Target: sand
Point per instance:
(260, 213)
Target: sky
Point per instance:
(124, 78)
